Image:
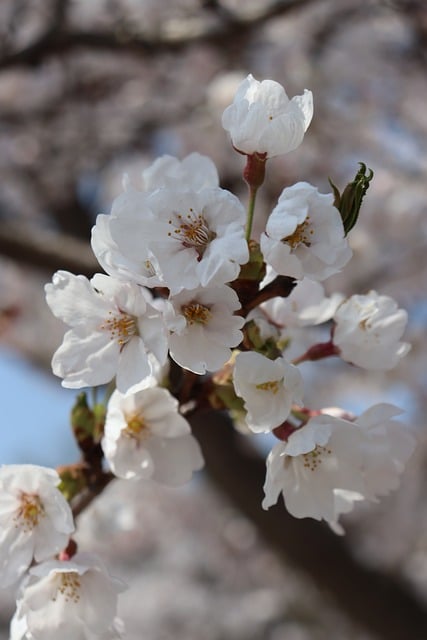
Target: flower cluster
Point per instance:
(192, 314)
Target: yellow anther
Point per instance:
(194, 232)
(196, 313)
(313, 459)
(301, 235)
(121, 327)
(30, 511)
(135, 426)
(271, 385)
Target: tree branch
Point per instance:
(230, 25)
(46, 249)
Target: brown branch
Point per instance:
(46, 249)
(230, 25)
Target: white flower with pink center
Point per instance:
(262, 119)
(268, 388)
(319, 470)
(35, 519)
(114, 327)
(203, 327)
(368, 329)
(196, 237)
(69, 599)
(145, 436)
(304, 235)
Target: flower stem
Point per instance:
(317, 352)
(251, 209)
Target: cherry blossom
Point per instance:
(195, 171)
(146, 437)
(387, 448)
(318, 470)
(196, 237)
(114, 326)
(69, 599)
(306, 305)
(263, 120)
(268, 388)
(368, 331)
(304, 235)
(203, 327)
(35, 519)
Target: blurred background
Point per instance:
(90, 89)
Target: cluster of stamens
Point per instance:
(29, 512)
(196, 313)
(191, 230)
(301, 235)
(69, 586)
(314, 458)
(135, 425)
(271, 385)
(121, 326)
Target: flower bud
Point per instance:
(349, 202)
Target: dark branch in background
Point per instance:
(379, 602)
(58, 40)
(46, 249)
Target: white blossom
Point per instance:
(146, 437)
(19, 629)
(143, 271)
(387, 447)
(304, 235)
(69, 599)
(203, 327)
(35, 519)
(306, 305)
(268, 388)
(318, 470)
(196, 237)
(114, 326)
(262, 119)
(368, 331)
(195, 171)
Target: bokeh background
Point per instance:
(90, 89)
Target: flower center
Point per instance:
(196, 313)
(69, 586)
(271, 385)
(192, 231)
(301, 235)
(313, 459)
(30, 511)
(122, 327)
(135, 425)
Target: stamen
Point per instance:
(272, 385)
(69, 586)
(121, 326)
(135, 426)
(301, 235)
(196, 313)
(29, 513)
(313, 459)
(192, 231)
